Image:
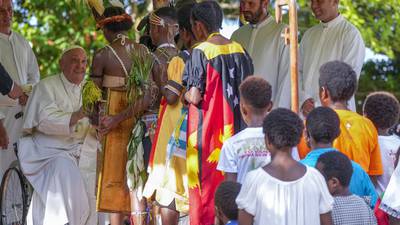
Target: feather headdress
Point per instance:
(97, 5)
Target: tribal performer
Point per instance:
(215, 70)
(169, 165)
(110, 70)
(163, 29)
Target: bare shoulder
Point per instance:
(100, 54)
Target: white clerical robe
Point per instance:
(88, 168)
(50, 152)
(335, 40)
(270, 56)
(18, 59)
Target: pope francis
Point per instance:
(55, 129)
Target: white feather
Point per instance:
(97, 5)
(116, 3)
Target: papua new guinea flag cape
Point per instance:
(217, 70)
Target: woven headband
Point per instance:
(114, 19)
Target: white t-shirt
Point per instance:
(389, 146)
(275, 202)
(244, 152)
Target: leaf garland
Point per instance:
(138, 79)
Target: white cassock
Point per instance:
(270, 56)
(18, 59)
(49, 154)
(335, 40)
(88, 168)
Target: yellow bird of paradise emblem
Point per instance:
(192, 154)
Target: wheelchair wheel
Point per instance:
(13, 205)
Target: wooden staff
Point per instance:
(291, 38)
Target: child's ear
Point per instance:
(267, 143)
(324, 96)
(243, 108)
(307, 136)
(333, 184)
(218, 215)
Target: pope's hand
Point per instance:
(107, 123)
(23, 99)
(76, 116)
(3, 136)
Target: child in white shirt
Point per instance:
(383, 109)
(246, 150)
(284, 192)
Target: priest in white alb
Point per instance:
(262, 40)
(56, 128)
(334, 38)
(18, 59)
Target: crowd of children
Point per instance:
(355, 157)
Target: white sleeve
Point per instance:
(228, 159)
(326, 199)
(246, 200)
(54, 121)
(33, 68)
(354, 50)
(302, 92)
(44, 114)
(283, 90)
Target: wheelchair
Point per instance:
(15, 195)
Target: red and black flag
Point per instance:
(217, 70)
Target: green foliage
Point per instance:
(379, 23)
(91, 95)
(378, 76)
(138, 78)
(52, 25)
